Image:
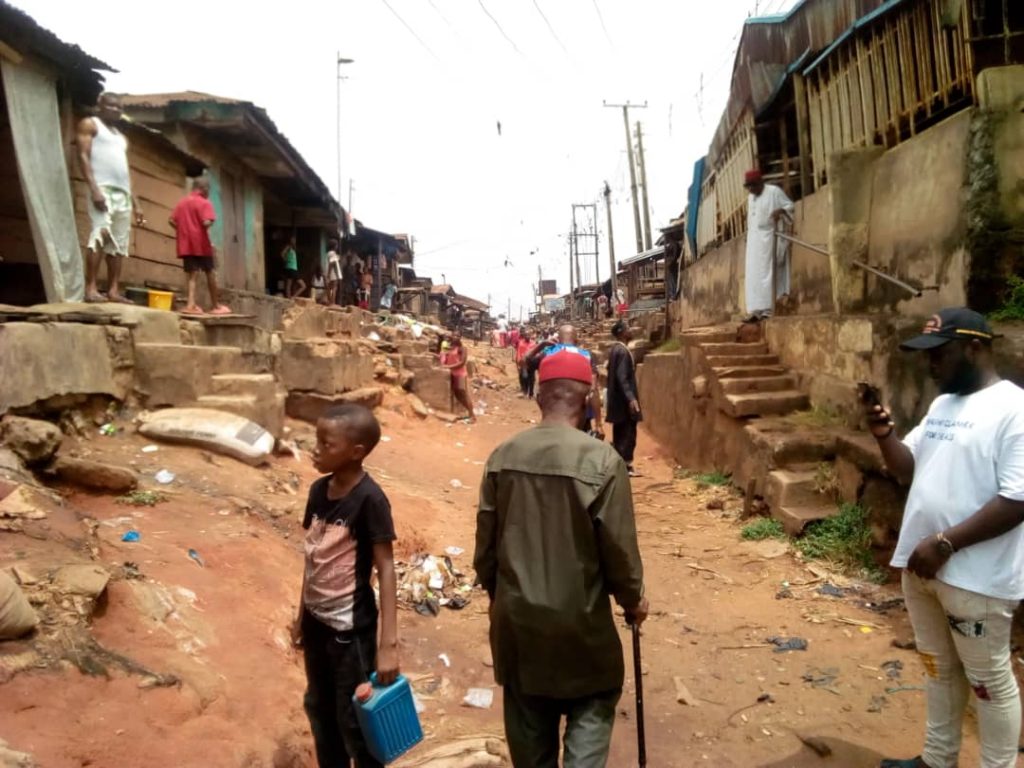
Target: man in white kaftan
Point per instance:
(765, 205)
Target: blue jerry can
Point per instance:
(387, 717)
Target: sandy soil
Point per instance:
(222, 628)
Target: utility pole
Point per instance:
(540, 294)
(508, 311)
(632, 170)
(611, 242)
(572, 289)
(643, 185)
(351, 186)
(340, 61)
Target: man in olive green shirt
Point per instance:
(555, 540)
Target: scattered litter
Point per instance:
(142, 498)
(904, 645)
(459, 445)
(385, 439)
(884, 606)
(164, 477)
(866, 630)
(454, 551)
(456, 603)
(822, 678)
(785, 592)
(132, 570)
(456, 483)
(877, 704)
(151, 449)
(901, 688)
(131, 536)
(831, 590)
(108, 430)
(373, 336)
(783, 644)
(290, 447)
(444, 659)
(212, 429)
(429, 606)
(893, 668)
(195, 556)
(429, 582)
(683, 695)
(418, 705)
(479, 698)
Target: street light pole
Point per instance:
(340, 60)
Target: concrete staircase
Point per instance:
(793, 497)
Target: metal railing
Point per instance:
(915, 292)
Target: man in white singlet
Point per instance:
(103, 156)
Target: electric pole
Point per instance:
(643, 185)
(632, 170)
(572, 290)
(340, 61)
(540, 290)
(611, 242)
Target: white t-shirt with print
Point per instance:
(966, 451)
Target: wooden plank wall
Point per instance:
(723, 205)
(877, 89)
(159, 181)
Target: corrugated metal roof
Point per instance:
(441, 289)
(469, 303)
(863, 21)
(159, 100)
(654, 253)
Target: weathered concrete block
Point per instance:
(310, 406)
(327, 366)
(856, 336)
(179, 374)
(434, 387)
(86, 580)
(850, 479)
(33, 440)
(95, 475)
(39, 361)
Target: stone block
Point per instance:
(419, 362)
(856, 336)
(95, 475)
(418, 407)
(33, 440)
(39, 361)
(327, 366)
(178, 374)
(310, 406)
(86, 580)
(434, 387)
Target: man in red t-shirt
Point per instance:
(192, 218)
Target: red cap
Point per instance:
(566, 365)
(364, 692)
(753, 176)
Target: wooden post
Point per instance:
(643, 186)
(803, 136)
(611, 244)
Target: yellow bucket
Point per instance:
(160, 299)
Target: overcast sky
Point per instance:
(421, 103)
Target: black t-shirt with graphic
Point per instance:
(340, 534)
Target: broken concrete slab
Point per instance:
(418, 407)
(83, 579)
(327, 366)
(95, 475)
(179, 374)
(434, 387)
(19, 503)
(11, 758)
(310, 406)
(34, 440)
(80, 360)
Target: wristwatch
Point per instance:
(945, 545)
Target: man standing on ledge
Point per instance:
(766, 204)
(623, 401)
(555, 538)
(103, 157)
(961, 543)
(191, 220)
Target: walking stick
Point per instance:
(641, 739)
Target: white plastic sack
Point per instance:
(216, 430)
(16, 615)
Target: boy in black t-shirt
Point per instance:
(349, 531)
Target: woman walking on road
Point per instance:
(455, 359)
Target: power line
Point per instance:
(600, 17)
(411, 31)
(514, 46)
(550, 28)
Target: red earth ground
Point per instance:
(222, 628)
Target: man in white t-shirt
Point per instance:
(961, 542)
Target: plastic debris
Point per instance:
(429, 582)
(385, 439)
(131, 536)
(893, 668)
(822, 678)
(151, 449)
(164, 477)
(479, 698)
(783, 644)
(453, 551)
(195, 556)
(456, 483)
(373, 336)
(444, 659)
(831, 590)
(108, 430)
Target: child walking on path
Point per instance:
(349, 532)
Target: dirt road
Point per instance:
(222, 627)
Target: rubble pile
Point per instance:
(428, 583)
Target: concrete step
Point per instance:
(734, 348)
(711, 335)
(269, 414)
(722, 361)
(177, 374)
(793, 488)
(764, 403)
(742, 386)
(795, 519)
(748, 371)
(259, 385)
